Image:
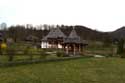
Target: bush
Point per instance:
(30, 52)
(122, 55)
(3, 48)
(11, 52)
(59, 54)
(26, 51)
(1, 51)
(120, 48)
(43, 54)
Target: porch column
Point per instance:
(79, 49)
(63, 47)
(46, 44)
(74, 49)
(57, 45)
(67, 49)
(52, 44)
(82, 51)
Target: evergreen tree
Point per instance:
(120, 48)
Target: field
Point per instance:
(84, 70)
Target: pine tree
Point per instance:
(120, 47)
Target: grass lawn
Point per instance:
(85, 70)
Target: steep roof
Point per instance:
(54, 33)
(73, 38)
(73, 34)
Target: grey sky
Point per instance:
(104, 15)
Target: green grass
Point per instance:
(86, 70)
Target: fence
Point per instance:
(18, 57)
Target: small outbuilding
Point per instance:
(73, 44)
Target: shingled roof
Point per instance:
(54, 33)
(73, 38)
(73, 34)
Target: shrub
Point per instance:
(43, 54)
(120, 47)
(122, 55)
(1, 51)
(26, 51)
(31, 51)
(60, 54)
(3, 48)
(11, 52)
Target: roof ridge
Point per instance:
(73, 34)
(55, 33)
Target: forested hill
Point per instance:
(86, 33)
(119, 33)
(19, 33)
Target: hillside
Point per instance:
(119, 33)
(19, 33)
(85, 32)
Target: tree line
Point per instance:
(21, 32)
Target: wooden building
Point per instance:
(54, 39)
(71, 44)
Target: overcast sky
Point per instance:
(104, 15)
